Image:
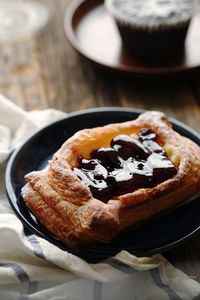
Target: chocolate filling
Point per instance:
(128, 164)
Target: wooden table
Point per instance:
(46, 72)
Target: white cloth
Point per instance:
(32, 268)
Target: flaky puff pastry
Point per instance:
(65, 206)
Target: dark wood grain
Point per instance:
(46, 72)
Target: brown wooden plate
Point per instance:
(93, 33)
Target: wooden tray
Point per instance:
(93, 33)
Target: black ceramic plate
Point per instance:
(157, 235)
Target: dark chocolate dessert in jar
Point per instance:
(152, 28)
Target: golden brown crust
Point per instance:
(66, 207)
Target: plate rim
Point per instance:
(148, 72)
(11, 193)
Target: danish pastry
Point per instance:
(105, 180)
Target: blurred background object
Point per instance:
(20, 19)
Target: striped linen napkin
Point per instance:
(33, 268)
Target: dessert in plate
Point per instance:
(152, 28)
(106, 180)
